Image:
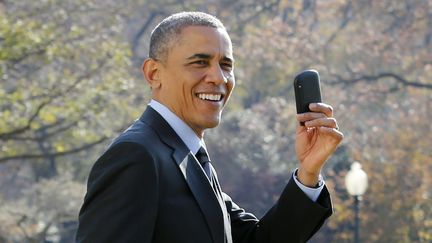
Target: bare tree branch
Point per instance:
(9, 134)
(347, 17)
(428, 36)
(55, 128)
(143, 29)
(51, 97)
(373, 78)
(54, 154)
(260, 9)
(265, 7)
(37, 51)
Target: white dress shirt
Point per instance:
(193, 142)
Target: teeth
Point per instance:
(212, 97)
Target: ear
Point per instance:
(151, 72)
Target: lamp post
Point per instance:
(356, 182)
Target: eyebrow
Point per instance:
(208, 56)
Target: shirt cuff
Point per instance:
(312, 193)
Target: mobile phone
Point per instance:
(307, 90)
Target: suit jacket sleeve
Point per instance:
(121, 189)
(294, 218)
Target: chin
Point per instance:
(212, 123)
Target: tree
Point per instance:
(45, 211)
(65, 89)
(61, 78)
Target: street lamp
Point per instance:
(356, 182)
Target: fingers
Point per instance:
(321, 108)
(323, 122)
(332, 132)
(321, 115)
(304, 117)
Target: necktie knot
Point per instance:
(203, 158)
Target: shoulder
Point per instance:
(122, 158)
(134, 148)
(138, 133)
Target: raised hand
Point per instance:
(315, 141)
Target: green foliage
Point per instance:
(59, 80)
(65, 88)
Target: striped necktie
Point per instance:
(204, 160)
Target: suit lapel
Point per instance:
(195, 177)
(205, 195)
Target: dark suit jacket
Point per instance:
(148, 187)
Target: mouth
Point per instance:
(210, 97)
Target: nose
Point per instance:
(216, 75)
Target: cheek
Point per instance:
(196, 77)
(192, 81)
(231, 84)
(187, 92)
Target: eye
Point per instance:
(226, 66)
(200, 63)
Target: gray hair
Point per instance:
(164, 34)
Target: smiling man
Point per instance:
(195, 78)
(155, 183)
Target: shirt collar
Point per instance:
(186, 134)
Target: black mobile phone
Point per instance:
(307, 90)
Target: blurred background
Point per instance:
(70, 81)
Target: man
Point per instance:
(155, 182)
